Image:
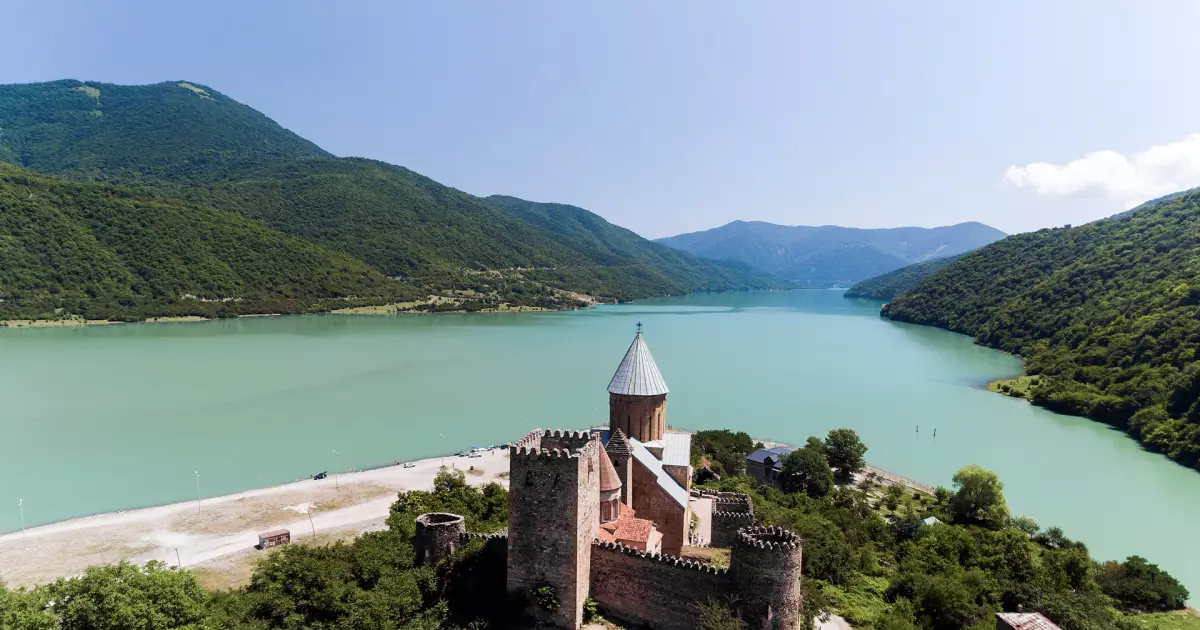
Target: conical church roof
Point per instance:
(618, 444)
(609, 480)
(637, 375)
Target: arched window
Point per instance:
(605, 512)
(529, 477)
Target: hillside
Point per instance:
(654, 266)
(893, 283)
(105, 252)
(188, 142)
(1107, 316)
(829, 255)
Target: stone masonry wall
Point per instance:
(660, 591)
(554, 483)
(652, 502)
(641, 417)
(725, 526)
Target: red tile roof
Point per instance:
(1027, 621)
(605, 535)
(634, 530)
(608, 474)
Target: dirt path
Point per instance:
(223, 526)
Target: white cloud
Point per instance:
(1160, 170)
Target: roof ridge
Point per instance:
(618, 444)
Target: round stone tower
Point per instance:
(765, 567)
(437, 536)
(637, 395)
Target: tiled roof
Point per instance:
(618, 444)
(605, 535)
(665, 480)
(634, 529)
(608, 474)
(637, 375)
(1027, 621)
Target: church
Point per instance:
(646, 504)
(603, 514)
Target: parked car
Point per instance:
(321, 475)
(475, 454)
(409, 465)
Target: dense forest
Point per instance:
(891, 284)
(867, 556)
(1106, 315)
(104, 252)
(186, 145)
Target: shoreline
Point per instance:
(194, 536)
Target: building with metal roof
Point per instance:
(1024, 621)
(764, 464)
(638, 375)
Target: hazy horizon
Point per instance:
(680, 117)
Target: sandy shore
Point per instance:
(217, 537)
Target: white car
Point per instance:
(409, 465)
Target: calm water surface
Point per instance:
(105, 418)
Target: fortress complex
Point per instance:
(604, 514)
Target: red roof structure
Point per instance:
(609, 480)
(1024, 621)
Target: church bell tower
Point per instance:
(637, 395)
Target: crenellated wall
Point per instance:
(765, 565)
(661, 591)
(436, 536)
(725, 526)
(553, 512)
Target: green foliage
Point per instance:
(545, 598)
(893, 283)
(181, 141)
(1105, 315)
(484, 508)
(845, 451)
(806, 470)
(102, 252)
(591, 610)
(1138, 585)
(724, 447)
(718, 616)
(829, 255)
(979, 497)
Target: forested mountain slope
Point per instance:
(893, 283)
(1106, 314)
(830, 255)
(105, 252)
(185, 141)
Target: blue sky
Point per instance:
(668, 117)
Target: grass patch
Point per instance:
(713, 556)
(1175, 620)
(1019, 387)
(860, 601)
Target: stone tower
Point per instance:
(765, 567)
(637, 395)
(437, 535)
(621, 456)
(553, 513)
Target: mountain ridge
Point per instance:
(823, 256)
(187, 144)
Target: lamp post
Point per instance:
(197, 490)
(21, 508)
(443, 449)
(335, 470)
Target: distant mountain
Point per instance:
(893, 283)
(186, 144)
(1106, 316)
(829, 255)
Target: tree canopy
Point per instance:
(845, 451)
(979, 497)
(1106, 315)
(807, 470)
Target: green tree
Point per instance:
(128, 597)
(718, 616)
(1138, 585)
(845, 452)
(979, 497)
(806, 470)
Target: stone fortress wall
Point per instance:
(553, 512)
(731, 511)
(553, 517)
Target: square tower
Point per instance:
(553, 512)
